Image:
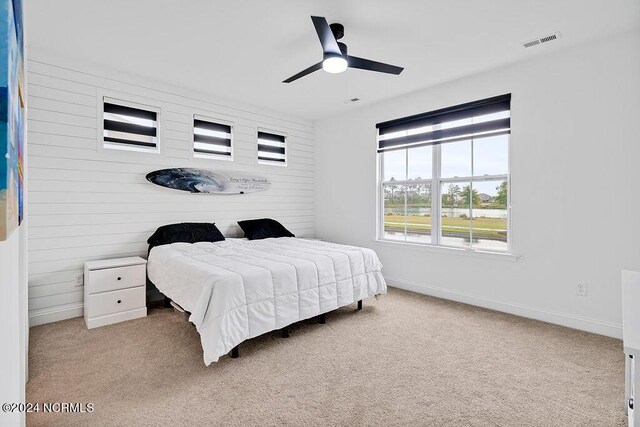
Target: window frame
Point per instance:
(269, 162)
(436, 183)
(138, 103)
(208, 156)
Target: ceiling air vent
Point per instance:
(545, 39)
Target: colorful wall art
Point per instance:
(12, 117)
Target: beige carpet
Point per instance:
(404, 360)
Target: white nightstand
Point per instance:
(114, 291)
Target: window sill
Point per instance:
(276, 164)
(213, 157)
(501, 256)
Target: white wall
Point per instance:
(575, 123)
(87, 203)
(12, 328)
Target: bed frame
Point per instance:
(322, 319)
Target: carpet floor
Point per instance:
(406, 359)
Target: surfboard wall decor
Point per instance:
(208, 181)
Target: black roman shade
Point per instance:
(211, 139)
(271, 148)
(478, 119)
(129, 126)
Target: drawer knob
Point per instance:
(119, 278)
(119, 301)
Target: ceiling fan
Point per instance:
(335, 58)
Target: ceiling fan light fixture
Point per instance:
(335, 58)
(335, 64)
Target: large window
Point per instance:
(444, 176)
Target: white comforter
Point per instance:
(238, 289)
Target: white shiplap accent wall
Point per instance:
(88, 203)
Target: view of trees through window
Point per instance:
(407, 212)
(465, 206)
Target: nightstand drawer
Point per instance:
(116, 301)
(111, 279)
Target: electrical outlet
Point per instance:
(79, 280)
(581, 289)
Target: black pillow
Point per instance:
(189, 232)
(263, 228)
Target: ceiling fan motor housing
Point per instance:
(338, 33)
(337, 30)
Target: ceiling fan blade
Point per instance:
(314, 67)
(367, 64)
(327, 40)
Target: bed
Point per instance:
(237, 289)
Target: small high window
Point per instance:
(212, 139)
(129, 126)
(271, 149)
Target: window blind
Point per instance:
(271, 148)
(478, 119)
(129, 126)
(211, 139)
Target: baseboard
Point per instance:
(563, 319)
(55, 314)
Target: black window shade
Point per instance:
(437, 127)
(211, 138)
(129, 126)
(271, 148)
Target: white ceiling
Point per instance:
(242, 50)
